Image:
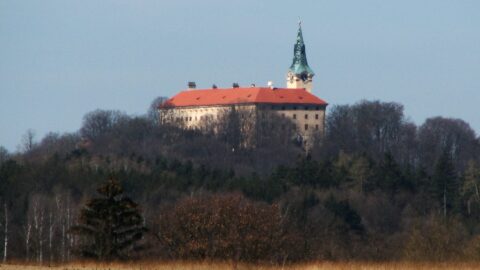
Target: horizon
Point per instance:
(62, 60)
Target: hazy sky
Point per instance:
(62, 59)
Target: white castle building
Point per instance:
(198, 108)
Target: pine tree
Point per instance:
(389, 175)
(110, 226)
(445, 183)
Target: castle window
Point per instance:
(294, 107)
(316, 127)
(316, 116)
(190, 118)
(294, 116)
(306, 126)
(283, 107)
(318, 108)
(306, 116)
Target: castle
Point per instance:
(200, 108)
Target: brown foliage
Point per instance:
(435, 239)
(226, 227)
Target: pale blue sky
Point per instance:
(62, 59)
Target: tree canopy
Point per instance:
(111, 225)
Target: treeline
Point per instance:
(376, 187)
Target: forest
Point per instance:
(375, 187)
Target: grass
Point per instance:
(221, 266)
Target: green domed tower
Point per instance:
(300, 75)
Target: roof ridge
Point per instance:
(246, 95)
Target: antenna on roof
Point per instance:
(270, 84)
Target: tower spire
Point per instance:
(300, 64)
(300, 74)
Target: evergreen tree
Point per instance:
(362, 173)
(390, 176)
(305, 173)
(110, 226)
(445, 183)
(346, 213)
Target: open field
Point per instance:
(219, 266)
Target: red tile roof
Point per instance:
(254, 95)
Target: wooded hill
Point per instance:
(377, 187)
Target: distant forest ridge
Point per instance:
(375, 187)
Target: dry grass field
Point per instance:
(221, 266)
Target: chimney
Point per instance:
(214, 86)
(252, 85)
(235, 85)
(192, 85)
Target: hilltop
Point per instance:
(376, 187)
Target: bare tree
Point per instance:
(470, 190)
(60, 203)
(51, 225)
(153, 114)
(58, 143)
(99, 122)
(28, 234)
(37, 212)
(372, 127)
(4, 155)
(28, 141)
(63, 221)
(5, 231)
(440, 134)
